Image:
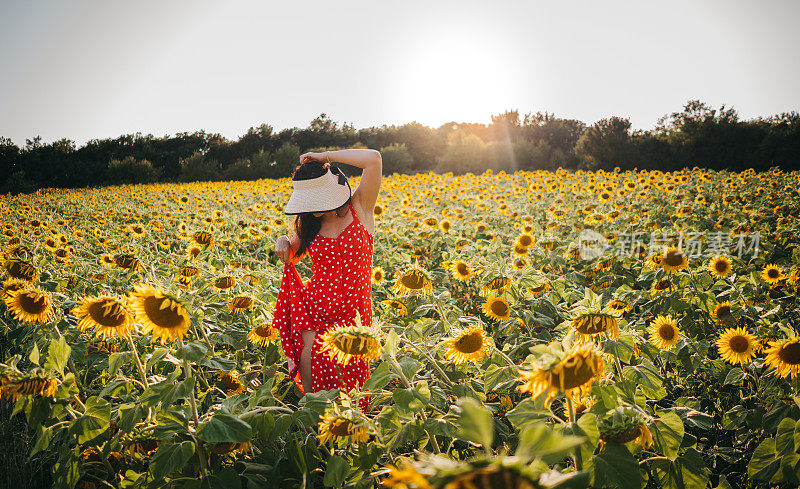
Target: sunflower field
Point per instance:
(540, 329)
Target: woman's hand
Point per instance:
(283, 248)
(305, 157)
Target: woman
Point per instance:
(336, 227)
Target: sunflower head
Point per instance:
(460, 270)
(343, 423)
(344, 343)
(624, 424)
(723, 313)
(673, 259)
(29, 304)
(107, 315)
(241, 303)
(230, 383)
(720, 266)
(126, 262)
(588, 323)
(377, 275)
(617, 306)
(262, 335)
(495, 285)
(784, 356)
(468, 345)
(20, 270)
(736, 345)
(224, 282)
(159, 313)
(414, 281)
(772, 274)
(16, 385)
(663, 331)
(497, 308)
(396, 306)
(557, 371)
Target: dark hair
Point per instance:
(306, 224)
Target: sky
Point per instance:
(91, 70)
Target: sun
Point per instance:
(468, 51)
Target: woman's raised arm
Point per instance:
(369, 160)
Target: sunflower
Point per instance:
(617, 306)
(663, 332)
(784, 356)
(772, 274)
(497, 308)
(405, 478)
(193, 250)
(225, 282)
(654, 261)
(495, 285)
(521, 263)
(570, 372)
(377, 275)
(241, 303)
(203, 238)
(720, 266)
(722, 313)
(539, 289)
(468, 344)
(673, 259)
(413, 281)
(262, 335)
(398, 307)
(445, 225)
(460, 270)
(346, 342)
(27, 385)
(660, 286)
(525, 240)
(159, 313)
(519, 251)
(736, 345)
(29, 305)
(10, 286)
(231, 383)
(588, 323)
(126, 262)
(340, 427)
(225, 448)
(106, 314)
(20, 270)
(624, 424)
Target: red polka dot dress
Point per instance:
(340, 286)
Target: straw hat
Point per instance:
(321, 194)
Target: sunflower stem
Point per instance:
(71, 365)
(139, 365)
(578, 457)
(505, 357)
(422, 414)
(433, 361)
(187, 372)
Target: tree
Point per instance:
(396, 159)
(464, 153)
(606, 144)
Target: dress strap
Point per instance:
(353, 210)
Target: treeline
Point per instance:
(696, 136)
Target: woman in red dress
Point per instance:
(336, 227)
